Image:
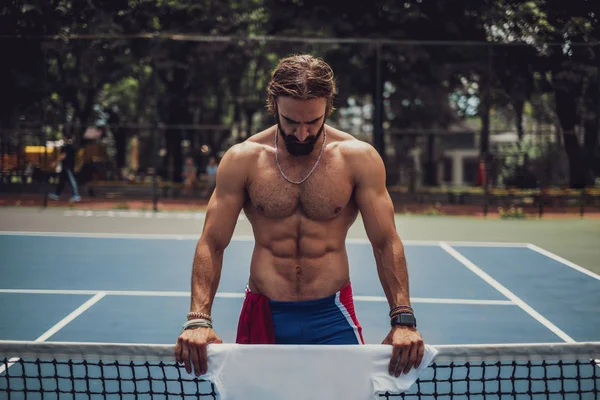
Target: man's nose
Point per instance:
(302, 132)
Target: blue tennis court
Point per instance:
(113, 288)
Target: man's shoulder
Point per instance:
(262, 140)
(248, 150)
(352, 147)
(361, 157)
(250, 146)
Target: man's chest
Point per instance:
(322, 196)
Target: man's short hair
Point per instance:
(302, 77)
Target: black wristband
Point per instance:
(404, 319)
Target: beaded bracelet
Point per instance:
(198, 315)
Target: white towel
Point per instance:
(302, 372)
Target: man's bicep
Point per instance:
(226, 202)
(374, 202)
(377, 211)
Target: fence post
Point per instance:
(485, 134)
(582, 202)
(378, 141)
(541, 202)
(155, 129)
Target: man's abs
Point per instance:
(285, 279)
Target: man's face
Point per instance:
(300, 123)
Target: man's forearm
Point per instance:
(206, 273)
(393, 273)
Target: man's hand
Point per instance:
(408, 349)
(192, 344)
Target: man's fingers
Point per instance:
(412, 356)
(178, 350)
(420, 354)
(191, 350)
(195, 359)
(185, 355)
(404, 355)
(394, 360)
(203, 360)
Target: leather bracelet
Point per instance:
(399, 309)
(197, 323)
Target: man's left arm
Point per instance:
(377, 212)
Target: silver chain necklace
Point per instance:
(314, 166)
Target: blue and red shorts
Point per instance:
(329, 320)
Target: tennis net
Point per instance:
(124, 371)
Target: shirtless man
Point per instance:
(301, 184)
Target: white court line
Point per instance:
(102, 235)
(61, 324)
(562, 260)
(432, 300)
(239, 238)
(484, 244)
(227, 295)
(140, 214)
(510, 295)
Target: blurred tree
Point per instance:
(566, 70)
(24, 65)
(202, 80)
(574, 77)
(427, 88)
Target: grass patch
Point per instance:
(511, 213)
(121, 206)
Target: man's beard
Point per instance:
(296, 147)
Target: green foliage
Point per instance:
(529, 164)
(433, 211)
(428, 87)
(511, 213)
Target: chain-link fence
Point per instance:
(150, 114)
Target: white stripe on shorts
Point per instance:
(344, 311)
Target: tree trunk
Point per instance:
(178, 115)
(566, 110)
(484, 113)
(590, 150)
(120, 135)
(174, 155)
(430, 166)
(519, 105)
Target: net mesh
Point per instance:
(89, 371)
(85, 379)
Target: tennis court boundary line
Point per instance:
(227, 295)
(507, 293)
(59, 325)
(243, 238)
(561, 260)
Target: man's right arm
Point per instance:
(222, 213)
